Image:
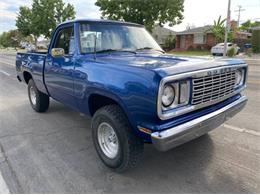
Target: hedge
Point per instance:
(256, 41)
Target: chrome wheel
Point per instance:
(108, 140)
(33, 95)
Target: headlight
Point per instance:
(175, 94)
(168, 95)
(239, 77)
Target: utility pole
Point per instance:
(227, 29)
(239, 11)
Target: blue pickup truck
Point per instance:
(135, 93)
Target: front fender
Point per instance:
(133, 88)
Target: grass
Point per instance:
(191, 53)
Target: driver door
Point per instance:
(59, 70)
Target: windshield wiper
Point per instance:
(149, 48)
(114, 50)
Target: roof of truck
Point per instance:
(100, 21)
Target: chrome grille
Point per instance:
(213, 87)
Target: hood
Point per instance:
(164, 64)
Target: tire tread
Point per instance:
(134, 151)
(43, 100)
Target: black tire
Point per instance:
(130, 146)
(42, 100)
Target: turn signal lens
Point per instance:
(184, 92)
(239, 77)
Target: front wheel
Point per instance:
(117, 146)
(38, 100)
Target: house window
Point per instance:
(199, 39)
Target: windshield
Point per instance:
(109, 37)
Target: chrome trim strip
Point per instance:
(189, 108)
(167, 139)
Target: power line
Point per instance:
(239, 11)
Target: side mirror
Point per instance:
(57, 52)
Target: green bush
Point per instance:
(169, 43)
(231, 52)
(256, 41)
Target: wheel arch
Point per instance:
(27, 76)
(98, 100)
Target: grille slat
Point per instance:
(213, 87)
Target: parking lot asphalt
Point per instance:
(53, 152)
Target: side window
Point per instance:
(65, 40)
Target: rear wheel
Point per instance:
(38, 100)
(117, 146)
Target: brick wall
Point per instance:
(188, 41)
(177, 43)
(209, 42)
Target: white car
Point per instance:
(219, 48)
(30, 47)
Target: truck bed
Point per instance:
(32, 63)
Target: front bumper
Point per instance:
(170, 138)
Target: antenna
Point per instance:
(239, 11)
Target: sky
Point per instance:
(196, 12)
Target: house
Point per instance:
(203, 38)
(238, 34)
(195, 38)
(161, 34)
(240, 37)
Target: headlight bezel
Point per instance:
(240, 71)
(176, 86)
(165, 114)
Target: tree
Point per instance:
(43, 17)
(248, 25)
(145, 12)
(11, 38)
(218, 29)
(4, 40)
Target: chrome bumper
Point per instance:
(170, 138)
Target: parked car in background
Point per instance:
(135, 93)
(219, 48)
(30, 48)
(23, 45)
